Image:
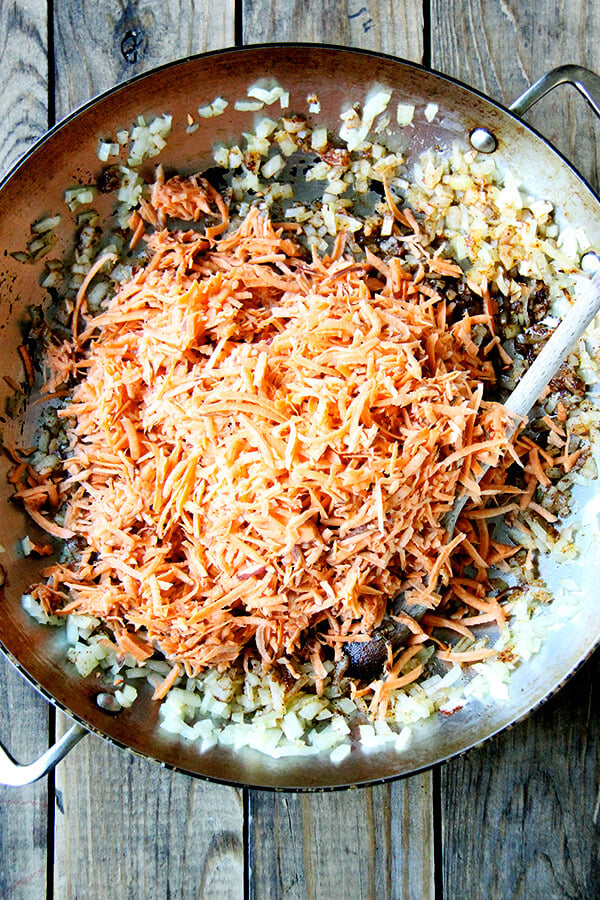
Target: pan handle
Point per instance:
(16, 775)
(586, 82)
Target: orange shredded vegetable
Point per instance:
(264, 447)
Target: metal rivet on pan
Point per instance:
(590, 262)
(108, 702)
(483, 140)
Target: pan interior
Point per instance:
(69, 156)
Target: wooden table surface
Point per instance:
(517, 818)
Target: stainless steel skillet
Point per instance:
(68, 155)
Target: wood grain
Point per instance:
(23, 714)
(127, 828)
(352, 844)
(389, 27)
(98, 45)
(530, 795)
(503, 47)
(23, 811)
(532, 801)
(24, 67)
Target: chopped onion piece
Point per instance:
(273, 166)
(46, 224)
(404, 114)
(318, 139)
(216, 108)
(248, 105)
(267, 97)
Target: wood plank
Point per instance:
(130, 828)
(125, 827)
(502, 48)
(23, 811)
(388, 27)
(98, 45)
(24, 66)
(532, 803)
(23, 713)
(531, 794)
(350, 844)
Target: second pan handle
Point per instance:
(16, 775)
(586, 82)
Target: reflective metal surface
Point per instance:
(586, 82)
(483, 140)
(16, 774)
(68, 156)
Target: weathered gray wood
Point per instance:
(23, 714)
(351, 844)
(127, 828)
(374, 842)
(24, 67)
(502, 48)
(98, 45)
(529, 798)
(23, 811)
(388, 27)
(531, 803)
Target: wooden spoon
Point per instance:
(367, 658)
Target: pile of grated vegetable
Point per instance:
(263, 440)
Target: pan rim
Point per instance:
(237, 51)
(281, 45)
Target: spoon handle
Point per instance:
(558, 347)
(542, 370)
